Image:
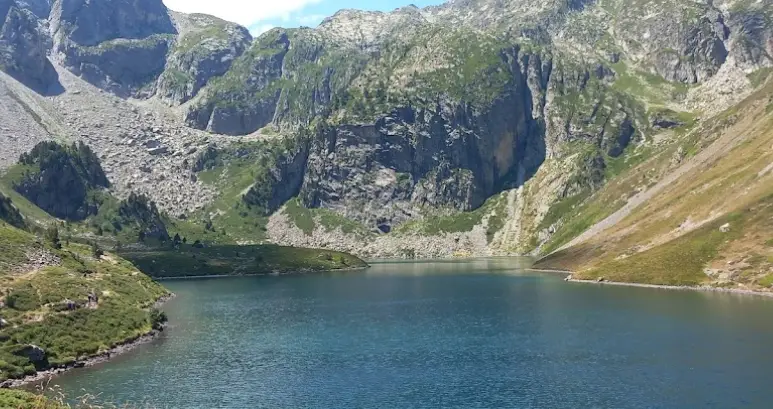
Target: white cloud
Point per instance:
(245, 12)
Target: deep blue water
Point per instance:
(474, 334)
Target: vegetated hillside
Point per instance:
(62, 180)
(135, 228)
(9, 213)
(474, 133)
(699, 213)
(471, 128)
(63, 302)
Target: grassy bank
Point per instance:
(62, 303)
(190, 261)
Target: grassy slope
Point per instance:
(188, 261)
(234, 223)
(34, 296)
(675, 236)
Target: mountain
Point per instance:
(477, 127)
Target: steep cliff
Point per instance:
(118, 45)
(23, 47)
(206, 48)
(472, 127)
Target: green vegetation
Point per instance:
(133, 219)
(126, 43)
(189, 260)
(460, 222)
(308, 219)
(234, 171)
(51, 399)
(679, 262)
(17, 399)
(72, 306)
(9, 213)
(61, 180)
(759, 77)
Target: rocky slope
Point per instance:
(474, 127)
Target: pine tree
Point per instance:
(52, 236)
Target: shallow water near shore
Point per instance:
(458, 334)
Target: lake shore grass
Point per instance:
(86, 361)
(234, 260)
(704, 288)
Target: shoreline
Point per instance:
(258, 274)
(702, 288)
(121, 348)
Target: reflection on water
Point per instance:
(482, 333)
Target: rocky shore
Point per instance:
(704, 288)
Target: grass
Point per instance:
(300, 216)
(309, 219)
(28, 209)
(460, 222)
(17, 399)
(34, 300)
(52, 399)
(759, 76)
(679, 262)
(189, 261)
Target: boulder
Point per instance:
(35, 353)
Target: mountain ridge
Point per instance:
(471, 128)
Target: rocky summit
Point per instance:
(475, 127)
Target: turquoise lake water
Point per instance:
(467, 334)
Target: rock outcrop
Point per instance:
(394, 119)
(118, 45)
(23, 47)
(205, 51)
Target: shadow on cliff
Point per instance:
(47, 84)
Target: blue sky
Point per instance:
(261, 15)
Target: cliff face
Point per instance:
(23, 47)
(206, 50)
(494, 119)
(118, 45)
(90, 23)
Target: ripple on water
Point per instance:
(479, 334)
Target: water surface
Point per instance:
(472, 334)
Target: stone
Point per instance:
(35, 353)
(725, 228)
(158, 151)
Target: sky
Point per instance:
(262, 15)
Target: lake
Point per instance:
(465, 334)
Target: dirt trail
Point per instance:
(726, 142)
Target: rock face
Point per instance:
(118, 45)
(90, 23)
(245, 99)
(447, 157)
(394, 118)
(204, 52)
(23, 47)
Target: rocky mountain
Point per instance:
(23, 45)
(474, 127)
